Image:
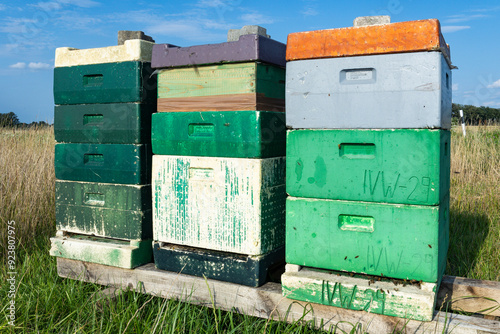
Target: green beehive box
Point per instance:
(231, 134)
(129, 81)
(408, 166)
(105, 163)
(103, 209)
(109, 252)
(113, 123)
(393, 240)
(222, 87)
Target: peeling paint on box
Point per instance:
(231, 205)
(322, 287)
(110, 252)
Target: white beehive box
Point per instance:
(224, 204)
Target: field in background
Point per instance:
(48, 303)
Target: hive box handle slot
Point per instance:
(93, 159)
(358, 76)
(93, 80)
(357, 150)
(201, 130)
(95, 199)
(356, 223)
(93, 119)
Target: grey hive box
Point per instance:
(389, 91)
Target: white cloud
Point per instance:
(18, 25)
(3, 7)
(463, 18)
(73, 20)
(255, 18)
(496, 84)
(454, 87)
(80, 3)
(18, 65)
(309, 11)
(48, 6)
(212, 3)
(450, 29)
(38, 66)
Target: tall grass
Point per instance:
(46, 303)
(26, 185)
(475, 204)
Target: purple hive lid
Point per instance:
(247, 48)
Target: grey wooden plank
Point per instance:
(264, 302)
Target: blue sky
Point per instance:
(30, 32)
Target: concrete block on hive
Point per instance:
(246, 48)
(233, 35)
(223, 87)
(105, 210)
(232, 134)
(111, 123)
(407, 166)
(224, 204)
(125, 35)
(371, 20)
(392, 240)
(404, 90)
(105, 163)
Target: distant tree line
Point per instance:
(475, 115)
(10, 120)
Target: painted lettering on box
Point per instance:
(380, 260)
(336, 294)
(379, 181)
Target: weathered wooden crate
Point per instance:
(106, 210)
(222, 87)
(404, 90)
(412, 301)
(231, 134)
(246, 48)
(408, 166)
(249, 270)
(111, 123)
(392, 240)
(104, 163)
(131, 50)
(129, 81)
(110, 252)
(223, 204)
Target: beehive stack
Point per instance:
(104, 100)
(218, 165)
(368, 162)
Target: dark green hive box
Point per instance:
(130, 81)
(408, 166)
(229, 267)
(103, 209)
(114, 123)
(105, 163)
(231, 134)
(392, 240)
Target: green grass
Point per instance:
(47, 303)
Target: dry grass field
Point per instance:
(46, 303)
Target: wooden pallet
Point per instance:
(268, 302)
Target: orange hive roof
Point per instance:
(410, 36)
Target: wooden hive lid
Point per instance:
(410, 36)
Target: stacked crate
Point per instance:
(218, 165)
(104, 100)
(368, 163)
